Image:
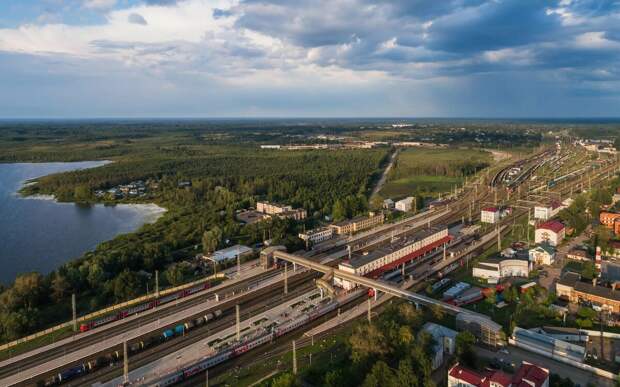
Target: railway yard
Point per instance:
(175, 338)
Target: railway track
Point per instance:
(91, 340)
(252, 306)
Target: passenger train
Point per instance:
(237, 350)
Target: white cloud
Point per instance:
(99, 4)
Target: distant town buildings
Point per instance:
(599, 146)
(358, 223)
(551, 232)
(133, 189)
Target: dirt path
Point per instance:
(384, 176)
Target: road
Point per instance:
(518, 355)
(385, 173)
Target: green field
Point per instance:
(419, 184)
(430, 171)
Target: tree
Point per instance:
(177, 274)
(96, 276)
(126, 285)
(284, 380)
(339, 211)
(211, 239)
(82, 193)
(60, 287)
(13, 325)
(464, 349)
(28, 289)
(437, 312)
(367, 341)
(588, 270)
(380, 376)
(405, 375)
(333, 379)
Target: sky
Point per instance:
(309, 58)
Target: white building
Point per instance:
(317, 235)
(229, 253)
(546, 212)
(543, 254)
(445, 342)
(495, 269)
(490, 215)
(404, 205)
(551, 232)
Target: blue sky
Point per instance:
(253, 58)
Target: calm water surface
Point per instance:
(39, 234)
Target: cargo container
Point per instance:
(455, 290)
(168, 333)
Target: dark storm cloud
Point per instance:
(493, 26)
(136, 18)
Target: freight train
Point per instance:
(138, 346)
(230, 352)
(142, 307)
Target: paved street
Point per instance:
(518, 355)
(555, 271)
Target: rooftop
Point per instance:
(356, 219)
(530, 375)
(230, 253)
(552, 225)
(359, 260)
(569, 279)
(490, 209)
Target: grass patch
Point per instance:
(428, 171)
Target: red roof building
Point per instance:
(551, 232)
(552, 225)
(531, 375)
(528, 375)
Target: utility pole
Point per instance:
(527, 227)
(238, 262)
(125, 362)
(156, 283)
(499, 240)
(285, 277)
(369, 311)
(237, 316)
(74, 312)
(207, 378)
(294, 359)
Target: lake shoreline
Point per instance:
(44, 237)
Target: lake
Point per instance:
(40, 234)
